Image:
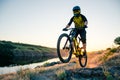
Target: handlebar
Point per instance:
(65, 29)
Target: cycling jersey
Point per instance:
(78, 21)
(79, 25)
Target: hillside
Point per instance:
(19, 53)
(102, 65)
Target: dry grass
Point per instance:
(113, 60)
(61, 74)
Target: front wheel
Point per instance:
(83, 60)
(64, 48)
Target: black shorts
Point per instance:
(82, 33)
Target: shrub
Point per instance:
(61, 75)
(117, 41)
(113, 50)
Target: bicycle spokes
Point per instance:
(64, 48)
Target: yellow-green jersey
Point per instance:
(78, 21)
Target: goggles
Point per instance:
(76, 11)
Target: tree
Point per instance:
(117, 41)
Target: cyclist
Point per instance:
(80, 22)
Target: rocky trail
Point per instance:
(67, 71)
(73, 71)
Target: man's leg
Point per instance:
(84, 46)
(83, 37)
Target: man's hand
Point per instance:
(64, 29)
(85, 26)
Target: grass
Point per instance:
(46, 64)
(110, 59)
(21, 74)
(27, 74)
(61, 75)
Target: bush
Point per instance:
(117, 41)
(113, 50)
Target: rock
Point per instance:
(93, 74)
(115, 72)
(39, 78)
(86, 74)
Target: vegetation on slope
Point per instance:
(19, 53)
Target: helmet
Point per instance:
(76, 10)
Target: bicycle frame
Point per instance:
(74, 40)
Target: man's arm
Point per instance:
(85, 20)
(70, 22)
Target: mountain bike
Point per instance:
(65, 48)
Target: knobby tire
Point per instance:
(83, 64)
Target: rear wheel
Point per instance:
(83, 60)
(64, 48)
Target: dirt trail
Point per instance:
(92, 63)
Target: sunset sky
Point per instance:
(40, 22)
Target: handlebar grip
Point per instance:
(65, 29)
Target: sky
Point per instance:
(40, 22)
